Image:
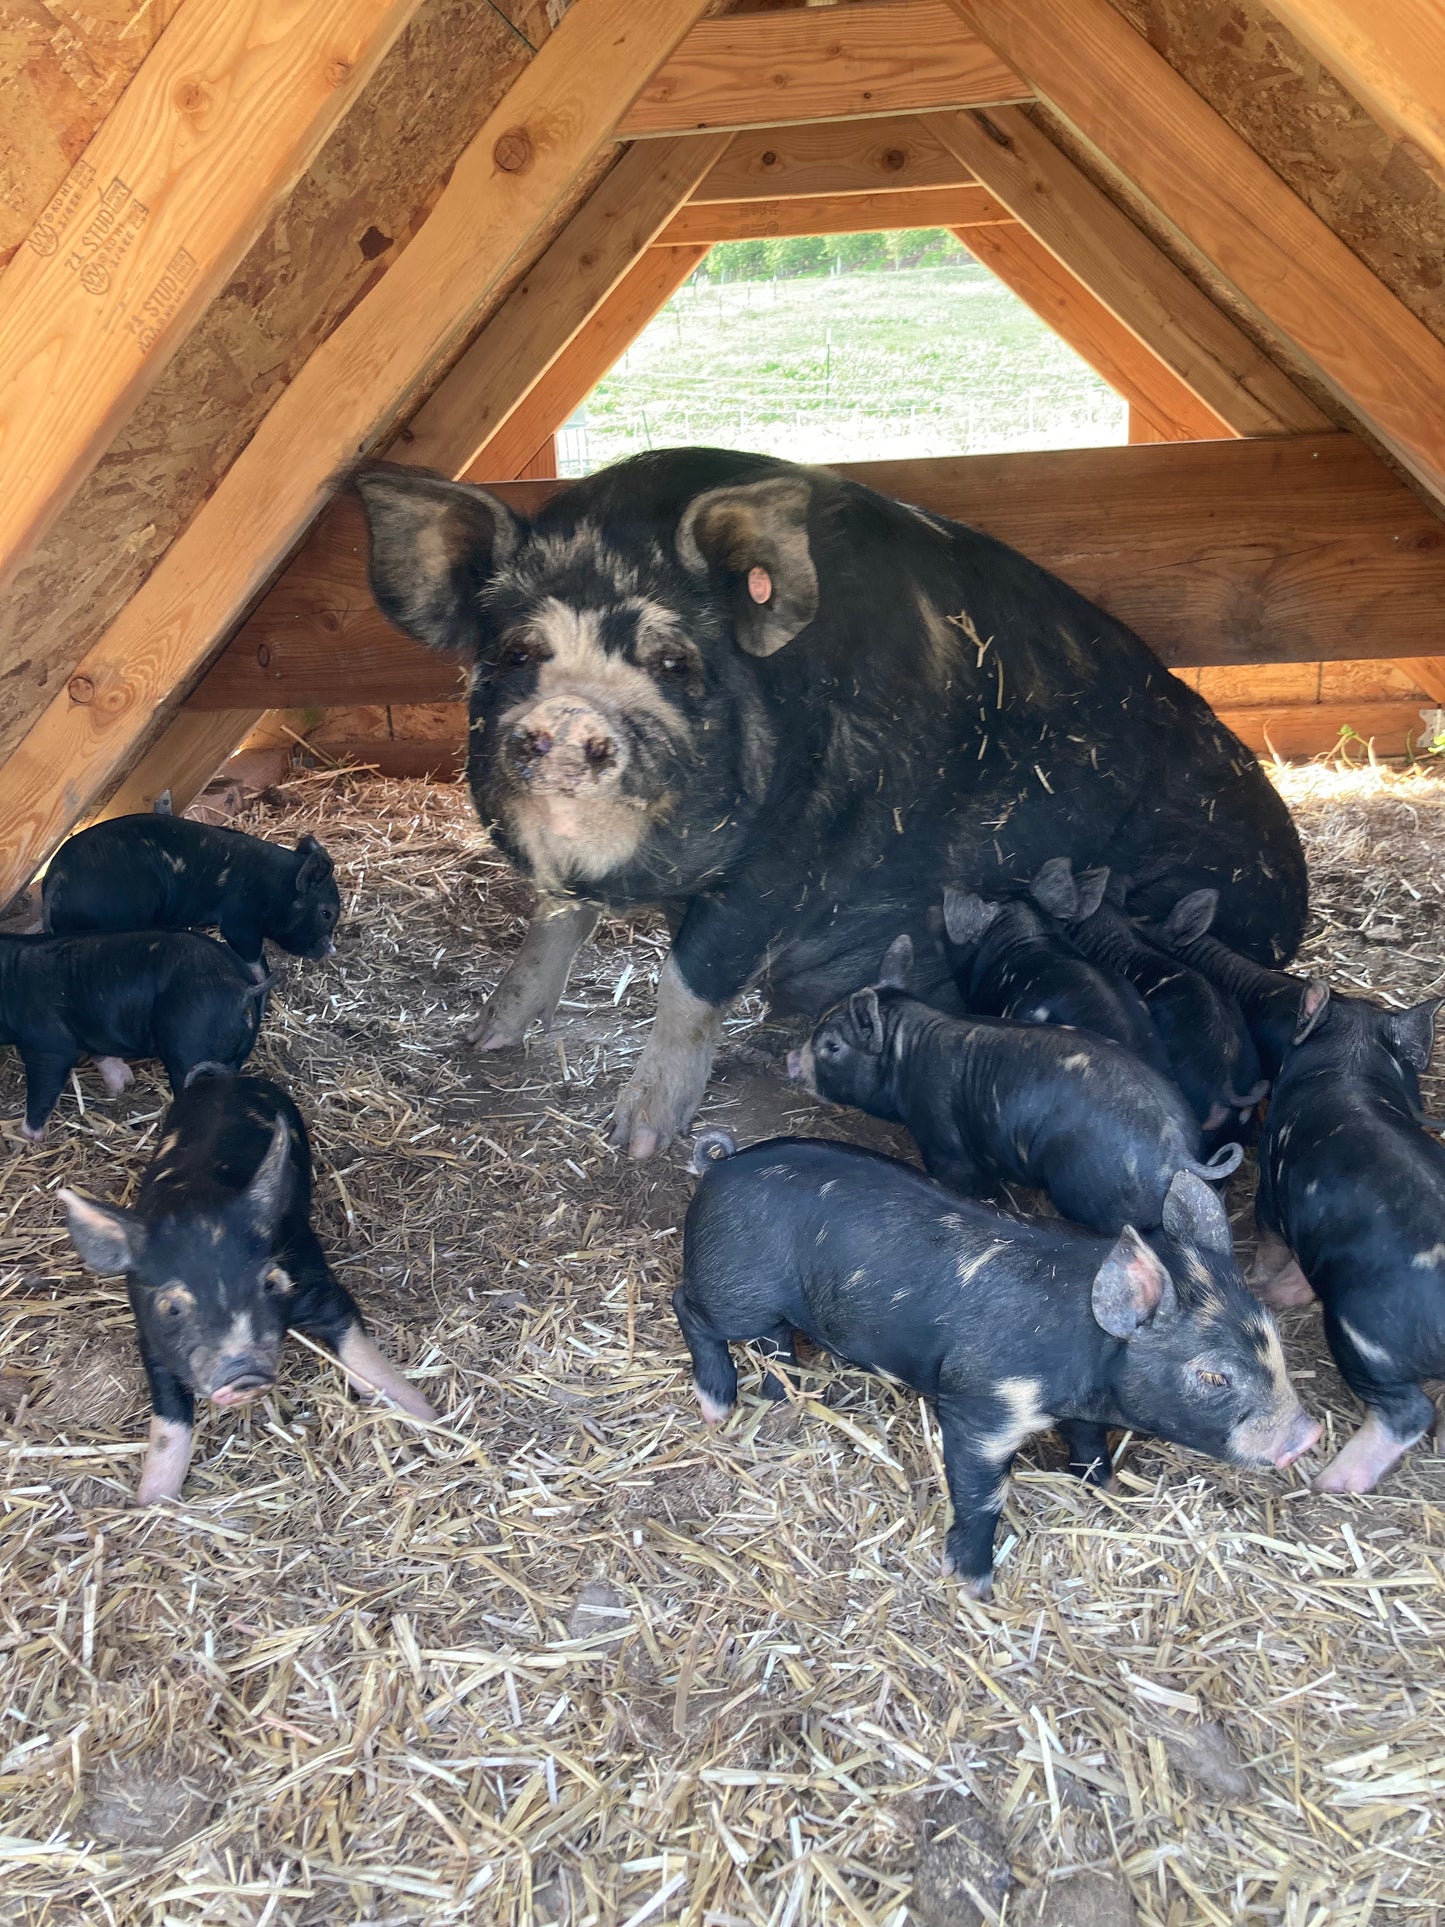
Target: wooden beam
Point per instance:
(506, 191)
(597, 345)
(1426, 671)
(1314, 729)
(831, 157)
(1390, 54)
(1110, 86)
(709, 222)
(1215, 552)
(601, 242)
(1173, 412)
(183, 759)
(820, 64)
(226, 113)
(1172, 319)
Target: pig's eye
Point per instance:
(277, 1281)
(673, 664)
(828, 1047)
(171, 1304)
(517, 655)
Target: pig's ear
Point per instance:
(434, 546)
(107, 1238)
(966, 917)
(265, 1196)
(1312, 1007)
(1411, 1033)
(1054, 889)
(1132, 1287)
(1194, 1214)
(897, 963)
(316, 867)
(1093, 886)
(1190, 917)
(755, 540)
(867, 1018)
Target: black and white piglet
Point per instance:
(1274, 1003)
(1351, 1205)
(1210, 1051)
(1010, 1328)
(1010, 960)
(159, 872)
(992, 1103)
(147, 993)
(220, 1262)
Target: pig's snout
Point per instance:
(1301, 1436)
(802, 1068)
(795, 1064)
(563, 744)
(241, 1379)
(1276, 1442)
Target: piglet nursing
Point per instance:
(1010, 1328)
(220, 1262)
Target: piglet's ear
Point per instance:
(107, 1238)
(1190, 917)
(434, 546)
(266, 1195)
(1132, 1288)
(1411, 1033)
(1312, 1007)
(753, 542)
(1054, 889)
(863, 1008)
(1093, 887)
(966, 917)
(1194, 1214)
(316, 868)
(897, 963)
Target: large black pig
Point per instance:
(783, 709)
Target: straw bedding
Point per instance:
(567, 1657)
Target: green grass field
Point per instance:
(923, 361)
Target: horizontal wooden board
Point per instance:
(833, 63)
(915, 207)
(1216, 552)
(831, 157)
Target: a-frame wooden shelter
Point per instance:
(251, 245)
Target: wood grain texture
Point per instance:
(1390, 54)
(708, 222)
(508, 190)
(1426, 672)
(1095, 241)
(833, 63)
(1108, 83)
(831, 157)
(183, 759)
(1171, 409)
(62, 68)
(1215, 552)
(552, 301)
(348, 218)
(228, 111)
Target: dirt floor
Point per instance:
(568, 1657)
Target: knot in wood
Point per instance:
(893, 158)
(263, 654)
(81, 689)
(338, 70)
(192, 96)
(513, 151)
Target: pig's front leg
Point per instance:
(45, 1075)
(662, 1097)
(168, 1451)
(536, 977)
(325, 1310)
(977, 1464)
(1397, 1411)
(1088, 1449)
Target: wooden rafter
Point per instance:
(1096, 242)
(708, 222)
(1390, 54)
(831, 157)
(811, 64)
(507, 189)
(226, 113)
(1172, 410)
(1106, 81)
(1216, 552)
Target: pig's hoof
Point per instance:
(653, 1111)
(33, 1133)
(495, 1033)
(1284, 1289)
(713, 1413)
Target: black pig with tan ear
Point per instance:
(782, 708)
(220, 1262)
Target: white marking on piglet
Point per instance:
(370, 1370)
(713, 1413)
(967, 1269)
(1366, 1347)
(167, 1460)
(1022, 1398)
(825, 1189)
(1079, 1061)
(1426, 1260)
